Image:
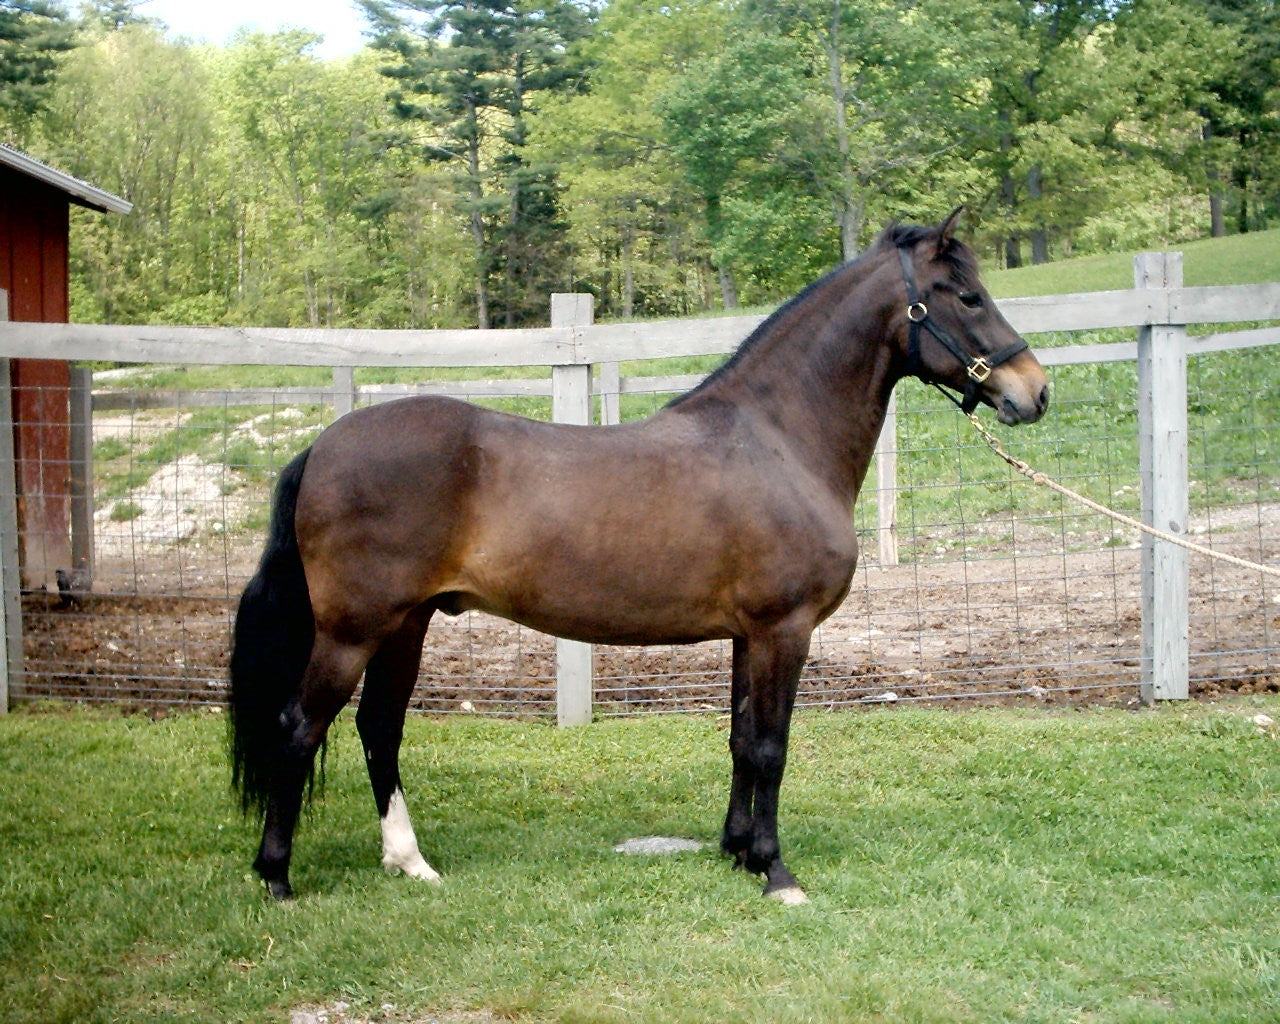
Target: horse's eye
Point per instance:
(971, 299)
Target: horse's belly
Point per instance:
(672, 594)
(610, 606)
(618, 632)
(616, 626)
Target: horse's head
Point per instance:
(951, 332)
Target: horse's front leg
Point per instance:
(736, 837)
(774, 661)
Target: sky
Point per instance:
(214, 21)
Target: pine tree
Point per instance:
(466, 73)
(33, 33)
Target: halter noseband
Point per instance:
(977, 367)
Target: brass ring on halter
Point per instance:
(979, 369)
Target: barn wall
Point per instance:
(34, 230)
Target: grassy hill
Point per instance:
(1237, 259)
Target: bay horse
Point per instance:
(726, 515)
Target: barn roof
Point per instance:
(81, 192)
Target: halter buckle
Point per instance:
(979, 369)
(916, 312)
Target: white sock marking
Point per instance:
(400, 845)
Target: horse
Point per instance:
(725, 515)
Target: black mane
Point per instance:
(959, 257)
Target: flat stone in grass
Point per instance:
(658, 846)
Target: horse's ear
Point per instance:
(948, 228)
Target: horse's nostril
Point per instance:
(1043, 400)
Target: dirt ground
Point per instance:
(1020, 619)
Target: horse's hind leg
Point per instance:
(330, 678)
(388, 685)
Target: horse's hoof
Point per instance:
(788, 895)
(279, 889)
(422, 871)
(413, 864)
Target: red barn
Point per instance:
(35, 201)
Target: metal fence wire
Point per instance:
(1000, 590)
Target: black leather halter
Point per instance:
(978, 367)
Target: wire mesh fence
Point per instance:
(1000, 591)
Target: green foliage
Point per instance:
(311, 140)
(733, 120)
(634, 223)
(669, 158)
(262, 186)
(465, 74)
(132, 115)
(1241, 114)
(33, 36)
(977, 866)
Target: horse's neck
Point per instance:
(823, 374)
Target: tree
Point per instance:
(113, 15)
(732, 120)
(311, 146)
(669, 156)
(33, 36)
(263, 186)
(1036, 58)
(132, 114)
(1244, 108)
(1086, 105)
(886, 108)
(635, 235)
(466, 73)
(1155, 65)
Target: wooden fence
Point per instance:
(584, 358)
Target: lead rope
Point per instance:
(1040, 478)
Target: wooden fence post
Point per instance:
(571, 403)
(1162, 446)
(344, 390)
(81, 424)
(610, 393)
(11, 657)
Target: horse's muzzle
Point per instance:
(1019, 404)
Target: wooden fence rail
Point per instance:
(584, 356)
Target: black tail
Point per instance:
(272, 643)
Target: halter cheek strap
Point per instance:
(977, 367)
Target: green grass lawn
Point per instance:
(975, 866)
